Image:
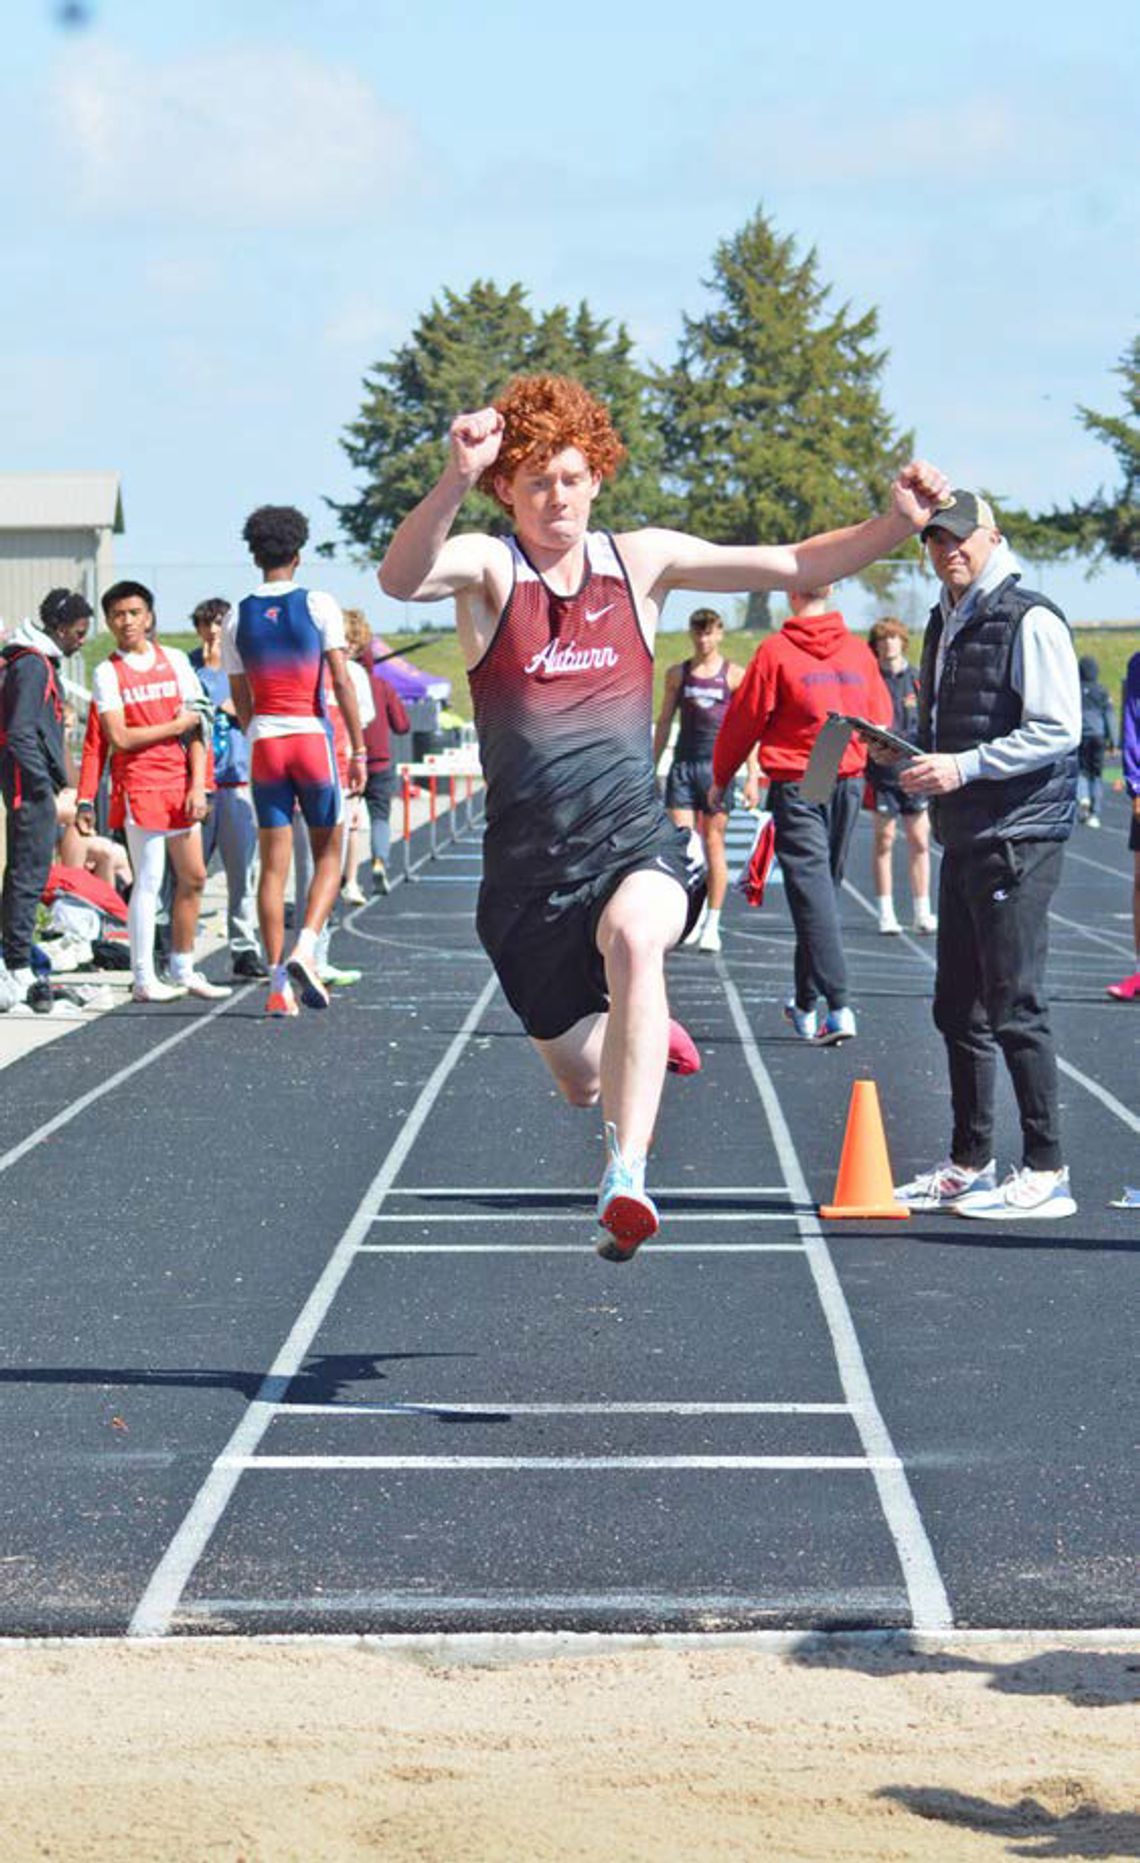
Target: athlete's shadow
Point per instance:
(324, 1378)
(975, 1235)
(1089, 1830)
(1089, 1678)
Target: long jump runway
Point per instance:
(304, 1329)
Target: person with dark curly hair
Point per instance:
(276, 649)
(587, 884)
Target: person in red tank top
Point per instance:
(560, 716)
(159, 775)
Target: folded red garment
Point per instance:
(86, 886)
(754, 876)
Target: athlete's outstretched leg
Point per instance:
(643, 919)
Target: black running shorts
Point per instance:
(687, 787)
(542, 944)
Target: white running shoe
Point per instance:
(352, 894)
(805, 1022)
(710, 937)
(943, 1187)
(306, 980)
(837, 1025)
(1025, 1196)
(889, 925)
(925, 924)
(69, 953)
(198, 985)
(156, 991)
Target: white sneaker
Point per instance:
(925, 924)
(805, 1022)
(1025, 1196)
(198, 985)
(69, 953)
(352, 894)
(837, 1025)
(943, 1187)
(1092, 821)
(710, 937)
(889, 925)
(156, 991)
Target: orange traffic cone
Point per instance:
(864, 1186)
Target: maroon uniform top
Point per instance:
(703, 703)
(563, 701)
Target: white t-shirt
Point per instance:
(328, 619)
(362, 686)
(107, 692)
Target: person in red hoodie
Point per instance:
(811, 667)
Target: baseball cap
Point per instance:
(962, 514)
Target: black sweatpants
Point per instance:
(812, 839)
(989, 994)
(31, 830)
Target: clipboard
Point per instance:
(833, 739)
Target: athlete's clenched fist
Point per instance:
(918, 492)
(475, 442)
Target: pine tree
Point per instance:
(772, 419)
(462, 352)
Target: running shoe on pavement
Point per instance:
(1025, 1196)
(925, 924)
(282, 1003)
(304, 973)
(889, 925)
(684, 1055)
(805, 1022)
(837, 1025)
(1127, 990)
(337, 978)
(249, 967)
(156, 991)
(943, 1187)
(198, 985)
(353, 894)
(624, 1209)
(710, 937)
(52, 999)
(380, 881)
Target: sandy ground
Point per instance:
(348, 1749)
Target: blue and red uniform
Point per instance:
(278, 640)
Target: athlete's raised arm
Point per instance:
(422, 562)
(661, 560)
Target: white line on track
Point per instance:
(64, 1118)
(1086, 860)
(395, 1408)
(579, 1464)
(414, 1217)
(662, 1251)
(160, 1600)
(1114, 944)
(930, 1606)
(527, 1192)
(1108, 1100)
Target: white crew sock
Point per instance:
(181, 966)
(712, 918)
(922, 905)
(306, 945)
(886, 906)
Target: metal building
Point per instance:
(55, 532)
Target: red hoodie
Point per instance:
(811, 667)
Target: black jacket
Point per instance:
(31, 721)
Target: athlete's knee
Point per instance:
(190, 882)
(578, 1092)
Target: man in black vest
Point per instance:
(1000, 722)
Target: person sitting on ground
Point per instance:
(274, 651)
(699, 688)
(587, 884)
(33, 769)
(94, 853)
(811, 667)
(1128, 989)
(1098, 734)
(148, 705)
(888, 641)
(229, 828)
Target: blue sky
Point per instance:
(219, 214)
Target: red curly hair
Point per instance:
(542, 415)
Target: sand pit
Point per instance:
(353, 1749)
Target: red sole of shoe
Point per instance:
(630, 1224)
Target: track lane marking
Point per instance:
(589, 1464)
(160, 1600)
(929, 1603)
(395, 1408)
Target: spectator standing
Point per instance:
(888, 640)
(147, 701)
(1000, 722)
(1128, 989)
(33, 771)
(811, 667)
(359, 637)
(1098, 734)
(229, 829)
(699, 688)
(390, 716)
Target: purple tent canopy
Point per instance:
(409, 681)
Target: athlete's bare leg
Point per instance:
(644, 918)
(881, 860)
(575, 1060)
(712, 831)
(328, 855)
(276, 848)
(917, 828)
(185, 854)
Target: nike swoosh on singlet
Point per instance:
(595, 614)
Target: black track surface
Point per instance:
(160, 1247)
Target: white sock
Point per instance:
(922, 905)
(279, 978)
(712, 917)
(306, 945)
(886, 906)
(181, 966)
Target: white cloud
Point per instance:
(242, 135)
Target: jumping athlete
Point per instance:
(275, 650)
(586, 882)
(700, 688)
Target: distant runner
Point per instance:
(586, 882)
